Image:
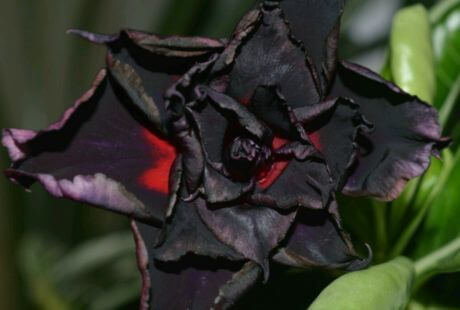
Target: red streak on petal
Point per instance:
(245, 100)
(267, 178)
(157, 177)
(315, 140)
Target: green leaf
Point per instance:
(441, 223)
(385, 286)
(446, 44)
(422, 207)
(408, 201)
(411, 55)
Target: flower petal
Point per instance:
(316, 240)
(270, 57)
(239, 114)
(124, 171)
(334, 134)
(155, 45)
(304, 183)
(316, 24)
(194, 283)
(269, 105)
(406, 133)
(187, 234)
(254, 231)
(218, 188)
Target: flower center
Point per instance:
(245, 157)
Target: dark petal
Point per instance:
(240, 284)
(406, 133)
(269, 57)
(175, 181)
(307, 115)
(269, 105)
(172, 46)
(304, 183)
(193, 159)
(187, 234)
(334, 133)
(254, 231)
(218, 188)
(239, 114)
(103, 151)
(316, 240)
(244, 28)
(316, 23)
(195, 283)
(212, 127)
(298, 151)
(146, 65)
(132, 83)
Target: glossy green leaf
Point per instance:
(411, 55)
(385, 286)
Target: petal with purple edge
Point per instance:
(76, 158)
(195, 282)
(406, 133)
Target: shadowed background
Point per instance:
(61, 255)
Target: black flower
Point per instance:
(227, 154)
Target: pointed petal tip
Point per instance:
(93, 37)
(361, 263)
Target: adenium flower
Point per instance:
(227, 154)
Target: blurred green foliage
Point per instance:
(61, 255)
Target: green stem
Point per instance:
(441, 9)
(449, 104)
(408, 233)
(428, 265)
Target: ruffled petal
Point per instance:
(334, 133)
(103, 151)
(317, 240)
(406, 133)
(253, 231)
(265, 54)
(316, 24)
(195, 282)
